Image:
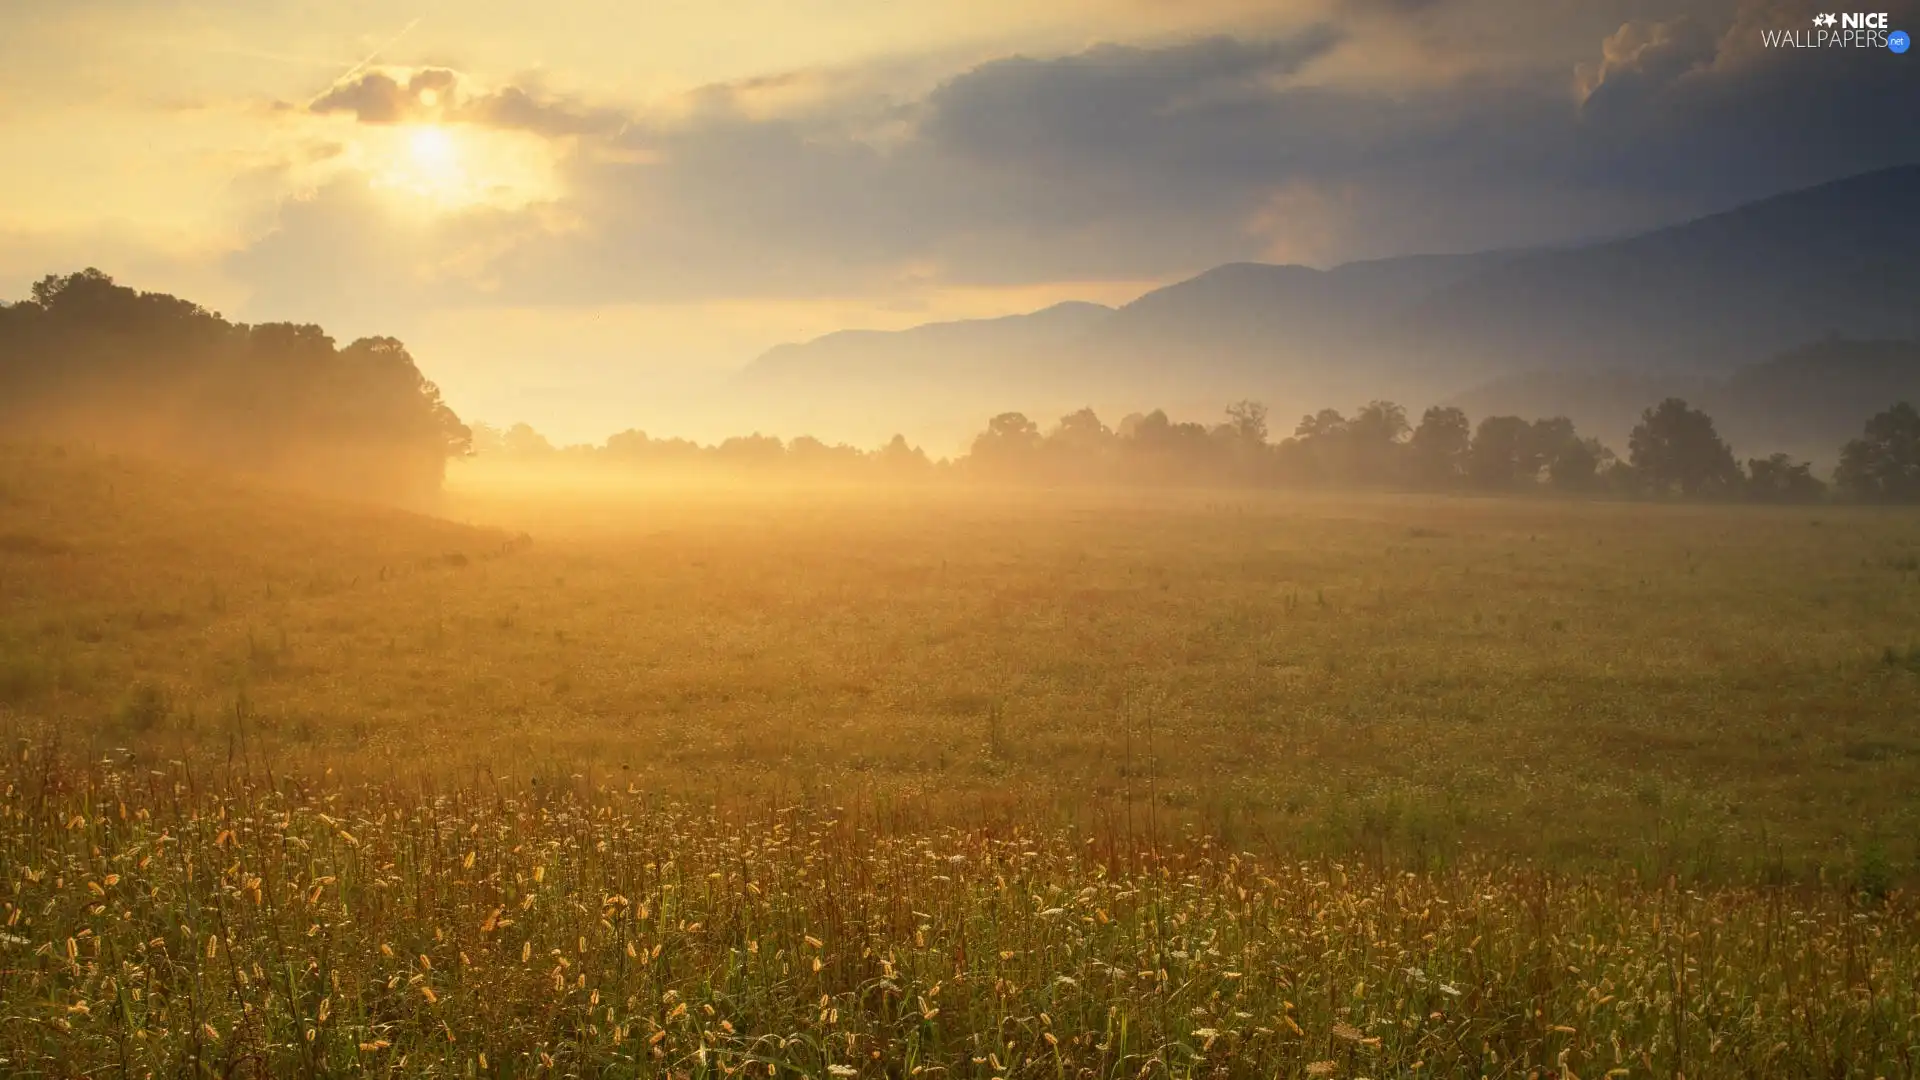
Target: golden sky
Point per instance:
(549, 199)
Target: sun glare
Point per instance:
(433, 151)
(439, 168)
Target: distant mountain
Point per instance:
(1677, 305)
(963, 349)
(1808, 401)
(1842, 258)
(1251, 320)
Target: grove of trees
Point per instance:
(1673, 452)
(85, 357)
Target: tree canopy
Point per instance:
(1884, 463)
(87, 357)
(1676, 452)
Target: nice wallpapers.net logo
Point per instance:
(1844, 30)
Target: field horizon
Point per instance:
(832, 781)
(1336, 668)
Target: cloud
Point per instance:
(1647, 56)
(1096, 102)
(441, 95)
(373, 98)
(1120, 161)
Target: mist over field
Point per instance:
(1066, 539)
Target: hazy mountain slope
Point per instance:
(1808, 401)
(1813, 399)
(1251, 319)
(1700, 297)
(947, 348)
(1842, 258)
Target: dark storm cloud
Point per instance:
(1133, 161)
(1096, 103)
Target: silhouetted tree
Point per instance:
(1572, 463)
(1008, 446)
(900, 460)
(1375, 442)
(1080, 445)
(1675, 448)
(521, 440)
(631, 444)
(1317, 452)
(1243, 441)
(1159, 450)
(146, 371)
(1779, 478)
(1504, 453)
(1884, 463)
(1440, 445)
(1247, 420)
(755, 451)
(1325, 424)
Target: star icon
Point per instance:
(1824, 20)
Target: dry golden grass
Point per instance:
(1689, 688)
(1658, 755)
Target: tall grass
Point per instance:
(162, 925)
(951, 784)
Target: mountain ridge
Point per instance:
(1704, 296)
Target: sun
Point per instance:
(431, 164)
(436, 168)
(433, 151)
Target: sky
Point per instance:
(574, 211)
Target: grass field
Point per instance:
(645, 781)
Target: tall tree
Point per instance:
(1248, 422)
(1503, 454)
(1675, 448)
(1376, 439)
(1779, 478)
(1009, 445)
(1884, 463)
(1439, 446)
(1079, 445)
(1572, 463)
(87, 356)
(897, 458)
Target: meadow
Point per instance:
(590, 778)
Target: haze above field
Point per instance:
(590, 220)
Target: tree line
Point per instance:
(85, 357)
(1674, 451)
